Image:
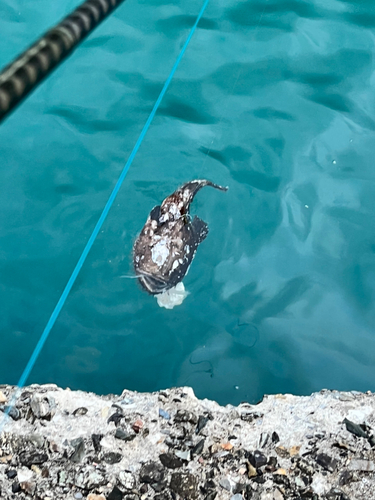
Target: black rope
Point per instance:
(30, 68)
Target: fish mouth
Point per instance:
(152, 284)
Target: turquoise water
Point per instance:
(274, 99)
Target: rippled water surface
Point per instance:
(274, 99)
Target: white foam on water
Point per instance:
(173, 297)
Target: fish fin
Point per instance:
(200, 229)
(155, 214)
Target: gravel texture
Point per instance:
(169, 445)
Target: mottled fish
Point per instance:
(163, 251)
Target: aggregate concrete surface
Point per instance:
(169, 445)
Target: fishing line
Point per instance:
(68, 287)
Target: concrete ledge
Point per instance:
(62, 444)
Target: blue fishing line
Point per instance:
(26, 372)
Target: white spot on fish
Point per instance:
(160, 252)
(173, 209)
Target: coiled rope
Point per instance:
(30, 68)
(97, 228)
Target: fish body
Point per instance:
(167, 244)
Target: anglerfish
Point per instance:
(167, 244)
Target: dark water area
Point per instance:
(274, 99)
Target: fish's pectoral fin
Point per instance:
(200, 229)
(155, 214)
